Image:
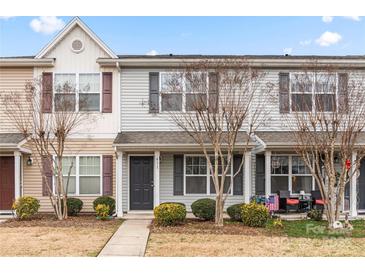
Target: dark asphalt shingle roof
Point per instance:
(11, 138)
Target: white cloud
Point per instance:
(47, 24)
(328, 38)
(327, 19)
(305, 43)
(152, 52)
(6, 17)
(353, 18)
(287, 50)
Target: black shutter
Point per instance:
(154, 101)
(343, 100)
(178, 174)
(238, 179)
(213, 92)
(284, 92)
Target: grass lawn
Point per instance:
(297, 238)
(46, 236)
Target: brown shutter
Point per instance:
(47, 84)
(154, 100)
(343, 100)
(284, 92)
(238, 179)
(108, 175)
(178, 174)
(47, 164)
(107, 104)
(213, 92)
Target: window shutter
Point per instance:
(154, 101)
(284, 92)
(343, 100)
(238, 179)
(178, 174)
(48, 172)
(213, 91)
(107, 175)
(107, 105)
(47, 92)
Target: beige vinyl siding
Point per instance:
(32, 179)
(12, 80)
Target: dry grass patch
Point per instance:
(46, 236)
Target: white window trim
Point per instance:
(290, 173)
(77, 175)
(77, 90)
(313, 93)
(207, 175)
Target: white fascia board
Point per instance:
(26, 62)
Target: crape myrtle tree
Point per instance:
(221, 102)
(326, 118)
(47, 131)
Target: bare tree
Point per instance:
(221, 108)
(327, 120)
(47, 131)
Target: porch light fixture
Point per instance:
(275, 162)
(29, 161)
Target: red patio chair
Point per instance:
(285, 202)
(317, 200)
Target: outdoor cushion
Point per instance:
(319, 202)
(292, 201)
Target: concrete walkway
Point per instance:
(129, 240)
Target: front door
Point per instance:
(141, 182)
(361, 187)
(7, 187)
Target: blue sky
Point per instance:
(197, 35)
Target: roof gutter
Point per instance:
(26, 62)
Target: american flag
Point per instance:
(272, 203)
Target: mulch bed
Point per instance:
(49, 220)
(194, 226)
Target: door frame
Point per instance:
(11, 155)
(129, 177)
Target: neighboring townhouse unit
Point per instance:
(132, 148)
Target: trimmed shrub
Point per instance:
(177, 203)
(168, 214)
(74, 206)
(234, 212)
(255, 215)
(204, 209)
(102, 211)
(25, 207)
(315, 214)
(106, 200)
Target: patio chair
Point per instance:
(286, 203)
(317, 200)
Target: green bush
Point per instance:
(106, 200)
(234, 212)
(255, 215)
(315, 214)
(204, 209)
(102, 211)
(25, 207)
(177, 203)
(74, 206)
(168, 214)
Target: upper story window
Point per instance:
(77, 91)
(311, 92)
(172, 88)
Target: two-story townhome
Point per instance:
(134, 151)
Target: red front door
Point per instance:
(7, 187)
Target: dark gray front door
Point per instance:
(361, 187)
(141, 182)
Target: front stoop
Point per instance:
(129, 240)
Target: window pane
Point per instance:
(90, 185)
(227, 183)
(71, 184)
(196, 184)
(301, 83)
(171, 102)
(196, 82)
(196, 102)
(65, 83)
(89, 102)
(220, 165)
(171, 82)
(66, 164)
(325, 102)
(301, 183)
(89, 83)
(298, 166)
(89, 165)
(65, 102)
(279, 183)
(196, 165)
(301, 102)
(325, 83)
(279, 165)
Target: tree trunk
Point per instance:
(219, 210)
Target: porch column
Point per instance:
(353, 190)
(17, 173)
(156, 179)
(267, 173)
(247, 180)
(118, 186)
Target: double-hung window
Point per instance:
(228, 181)
(77, 91)
(196, 84)
(85, 176)
(172, 88)
(325, 92)
(301, 176)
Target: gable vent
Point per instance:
(77, 45)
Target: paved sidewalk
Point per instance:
(129, 240)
